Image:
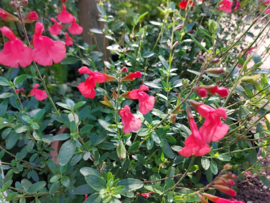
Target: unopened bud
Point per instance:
(216, 71)
(178, 27)
(175, 44)
(169, 43)
(208, 57)
(13, 4)
(213, 26)
(23, 2)
(224, 182)
(201, 59)
(185, 82)
(230, 176)
(227, 167)
(250, 79)
(215, 61)
(124, 70)
(225, 190)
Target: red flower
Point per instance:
(68, 40)
(131, 124)
(19, 90)
(65, 16)
(40, 95)
(99, 77)
(134, 93)
(132, 76)
(46, 51)
(225, 190)
(194, 144)
(6, 16)
(63, 1)
(87, 88)
(266, 2)
(146, 102)
(226, 5)
(183, 4)
(200, 91)
(211, 89)
(14, 52)
(146, 195)
(74, 28)
(31, 17)
(85, 196)
(213, 129)
(55, 29)
(267, 11)
(250, 50)
(237, 5)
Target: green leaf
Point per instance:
(243, 112)
(79, 104)
(20, 128)
(3, 81)
(66, 152)
(134, 147)
(148, 54)
(20, 79)
(205, 163)
(265, 181)
(95, 182)
(131, 184)
(166, 148)
(36, 187)
(12, 140)
(55, 186)
(39, 115)
(213, 167)
(142, 16)
(155, 137)
(106, 125)
(224, 157)
(153, 84)
(86, 129)
(94, 198)
(55, 178)
(121, 150)
(3, 107)
(22, 200)
(155, 188)
(65, 181)
(198, 43)
(11, 196)
(164, 62)
(85, 171)
(96, 31)
(26, 184)
(69, 61)
(65, 106)
(83, 190)
(6, 95)
(117, 26)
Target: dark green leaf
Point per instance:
(205, 163)
(39, 115)
(95, 182)
(164, 62)
(65, 181)
(134, 147)
(83, 190)
(106, 125)
(55, 186)
(148, 54)
(121, 150)
(66, 152)
(213, 167)
(131, 184)
(224, 157)
(37, 187)
(79, 104)
(94, 198)
(20, 79)
(3, 81)
(117, 26)
(85, 171)
(6, 95)
(86, 129)
(12, 140)
(3, 107)
(166, 148)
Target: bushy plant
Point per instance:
(180, 103)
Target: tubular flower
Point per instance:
(46, 51)
(74, 28)
(132, 76)
(146, 195)
(68, 40)
(134, 93)
(224, 182)
(55, 29)
(31, 17)
(40, 95)
(237, 5)
(226, 5)
(194, 144)
(14, 52)
(146, 102)
(65, 16)
(6, 16)
(211, 89)
(131, 124)
(220, 200)
(213, 129)
(87, 88)
(99, 77)
(200, 91)
(225, 190)
(267, 11)
(183, 4)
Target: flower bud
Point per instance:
(203, 200)
(201, 59)
(213, 26)
(211, 197)
(227, 167)
(230, 176)
(200, 91)
(169, 43)
(215, 61)
(124, 70)
(6, 16)
(31, 17)
(23, 2)
(225, 190)
(250, 79)
(175, 44)
(132, 76)
(185, 82)
(13, 4)
(106, 102)
(178, 27)
(216, 71)
(224, 182)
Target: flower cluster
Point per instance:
(211, 131)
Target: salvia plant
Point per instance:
(179, 116)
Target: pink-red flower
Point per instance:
(226, 5)
(225, 190)
(87, 88)
(266, 2)
(19, 90)
(14, 52)
(195, 143)
(211, 89)
(212, 129)
(267, 11)
(68, 40)
(63, 1)
(55, 29)
(74, 28)
(250, 50)
(131, 124)
(132, 76)
(65, 16)
(6, 16)
(46, 51)
(146, 195)
(133, 94)
(237, 6)
(31, 17)
(216, 199)
(183, 4)
(40, 95)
